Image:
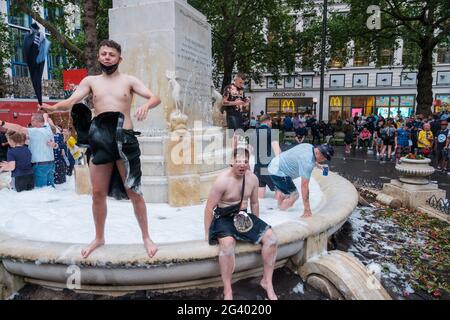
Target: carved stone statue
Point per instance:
(177, 120)
(218, 117)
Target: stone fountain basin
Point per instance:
(180, 265)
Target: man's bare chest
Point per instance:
(112, 91)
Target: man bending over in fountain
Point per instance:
(114, 150)
(226, 221)
(297, 162)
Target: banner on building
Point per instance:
(71, 80)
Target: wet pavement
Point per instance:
(360, 163)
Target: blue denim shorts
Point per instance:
(284, 184)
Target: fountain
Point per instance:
(170, 49)
(413, 187)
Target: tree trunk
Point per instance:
(425, 80)
(90, 29)
(228, 64)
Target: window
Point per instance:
(338, 59)
(289, 82)
(335, 108)
(386, 57)
(384, 79)
(272, 106)
(443, 77)
(271, 84)
(360, 79)
(307, 81)
(443, 55)
(411, 54)
(442, 103)
(361, 58)
(337, 80)
(17, 18)
(18, 65)
(408, 78)
(18, 36)
(19, 70)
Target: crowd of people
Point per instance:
(390, 139)
(42, 154)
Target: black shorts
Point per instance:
(285, 185)
(24, 183)
(224, 227)
(442, 154)
(107, 142)
(234, 122)
(389, 141)
(264, 178)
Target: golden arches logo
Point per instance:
(335, 101)
(288, 104)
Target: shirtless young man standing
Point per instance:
(228, 196)
(112, 96)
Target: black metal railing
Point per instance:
(363, 182)
(440, 204)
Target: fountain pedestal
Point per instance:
(413, 187)
(170, 51)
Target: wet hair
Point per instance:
(16, 137)
(240, 151)
(110, 44)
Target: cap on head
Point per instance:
(326, 150)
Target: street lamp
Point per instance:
(323, 56)
(315, 105)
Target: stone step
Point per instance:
(153, 165)
(151, 146)
(154, 189)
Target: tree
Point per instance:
(5, 53)
(422, 24)
(250, 36)
(82, 47)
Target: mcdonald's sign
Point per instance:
(336, 101)
(287, 103)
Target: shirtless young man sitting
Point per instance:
(112, 96)
(226, 199)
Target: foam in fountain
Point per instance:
(61, 215)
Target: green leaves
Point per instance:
(251, 36)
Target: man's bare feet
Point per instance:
(269, 290)
(91, 247)
(306, 216)
(228, 295)
(150, 247)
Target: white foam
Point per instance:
(61, 215)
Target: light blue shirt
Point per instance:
(296, 162)
(38, 138)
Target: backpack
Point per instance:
(390, 132)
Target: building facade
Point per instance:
(20, 24)
(358, 87)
